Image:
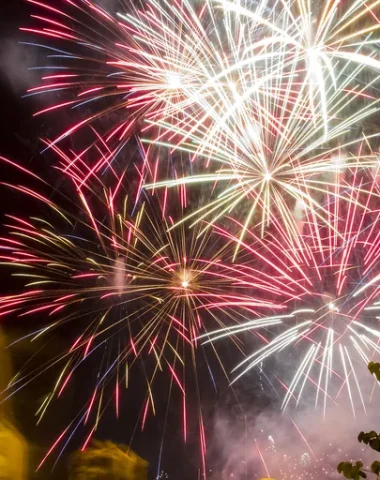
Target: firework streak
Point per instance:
(330, 287)
(130, 289)
(267, 96)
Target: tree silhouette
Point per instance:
(355, 470)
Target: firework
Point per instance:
(132, 291)
(275, 146)
(245, 86)
(161, 63)
(268, 104)
(282, 200)
(330, 287)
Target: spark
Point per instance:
(331, 277)
(116, 271)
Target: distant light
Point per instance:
(338, 161)
(234, 89)
(267, 177)
(185, 284)
(253, 132)
(333, 308)
(174, 80)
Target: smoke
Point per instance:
(279, 446)
(119, 279)
(17, 62)
(300, 443)
(112, 6)
(299, 214)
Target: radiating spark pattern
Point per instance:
(330, 287)
(266, 94)
(289, 121)
(281, 201)
(160, 62)
(131, 291)
(269, 106)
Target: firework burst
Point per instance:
(126, 284)
(161, 63)
(288, 124)
(330, 287)
(267, 103)
(239, 82)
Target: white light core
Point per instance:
(174, 80)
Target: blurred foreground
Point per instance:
(100, 461)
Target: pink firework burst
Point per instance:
(330, 287)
